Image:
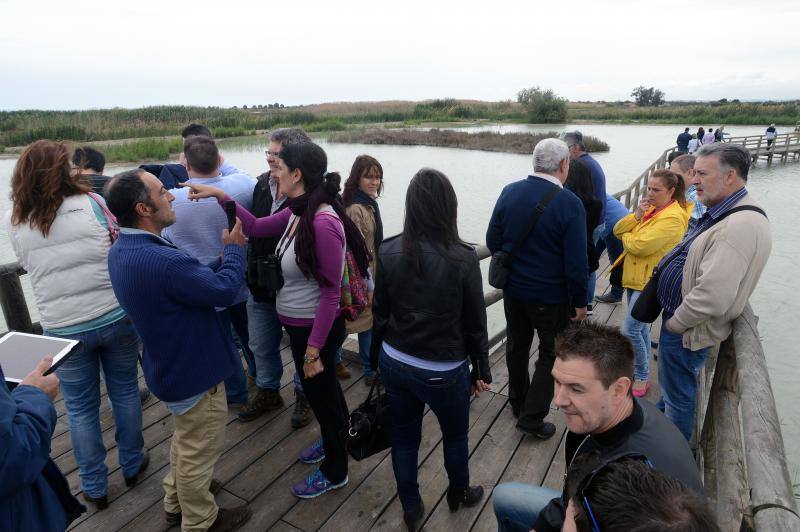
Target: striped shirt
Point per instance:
(670, 280)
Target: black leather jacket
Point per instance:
(439, 316)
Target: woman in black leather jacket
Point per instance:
(429, 319)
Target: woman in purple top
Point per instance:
(314, 231)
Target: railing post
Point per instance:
(12, 301)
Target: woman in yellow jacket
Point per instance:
(649, 233)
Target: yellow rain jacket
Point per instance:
(647, 242)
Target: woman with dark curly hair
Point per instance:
(61, 233)
(315, 230)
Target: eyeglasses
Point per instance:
(272, 153)
(587, 481)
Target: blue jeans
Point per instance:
(265, 342)
(517, 505)
(241, 334)
(236, 384)
(409, 389)
(364, 343)
(639, 334)
(597, 236)
(678, 369)
(113, 348)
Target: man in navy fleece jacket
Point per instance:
(548, 280)
(171, 298)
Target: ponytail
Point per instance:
(675, 182)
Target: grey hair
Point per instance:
(574, 137)
(289, 135)
(548, 154)
(730, 156)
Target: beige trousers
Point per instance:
(197, 444)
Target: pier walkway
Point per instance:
(739, 449)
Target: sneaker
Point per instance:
(302, 411)
(315, 485)
(314, 453)
(370, 380)
(542, 430)
(589, 310)
(608, 299)
(262, 402)
(100, 503)
(174, 519)
(640, 388)
(341, 371)
(144, 395)
(230, 519)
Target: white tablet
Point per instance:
(20, 353)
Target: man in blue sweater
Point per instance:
(171, 298)
(577, 151)
(548, 280)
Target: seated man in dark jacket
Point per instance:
(593, 373)
(34, 494)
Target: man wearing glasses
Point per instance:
(593, 373)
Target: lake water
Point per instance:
(479, 176)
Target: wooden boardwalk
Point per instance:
(259, 464)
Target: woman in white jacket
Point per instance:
(61, 234)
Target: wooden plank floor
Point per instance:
(259, 463)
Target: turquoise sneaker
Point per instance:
(315, 485)
(313, 454)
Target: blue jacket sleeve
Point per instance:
(494, 233)
(576, 261)
(27, 420)
(193, 283)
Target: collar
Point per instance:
(205, 180)
(730, 201)
(548, 178)
(623, 429)
(137, 231)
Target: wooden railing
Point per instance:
(783, 146)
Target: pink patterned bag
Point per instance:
(354, 289)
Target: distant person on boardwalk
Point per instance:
(593, 374)
(713, 274)
(579, 182)
(362, 187)
(197, 230)
(647, 234)
(683, 141)
(684, 167)
(615, 211)
(709, 137)
(90, 164)
(771, 133)
(694, 144)
(547, 281)
(700, 134)
(627, 493)
(61, 233)
(430, 320)
(577, 151)
(264, 327)
(34, 495)
(187, 355)
(719, 134)
(315, 230)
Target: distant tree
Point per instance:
(281, 106)
(277, 105)
(244, 107)
(543, 106)
(645, 97)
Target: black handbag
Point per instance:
(500, 264)
(369, 426)
(647, 308)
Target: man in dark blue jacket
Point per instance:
(683, 141)
(171, 298)
(34, 494)
(548, 280)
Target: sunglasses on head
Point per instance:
(587, 481)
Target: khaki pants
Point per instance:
(197, 444)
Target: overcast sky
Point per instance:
(92, 54)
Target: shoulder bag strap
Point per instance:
(286, 238)
(111, 220)
(717, 220)
(537, 213)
